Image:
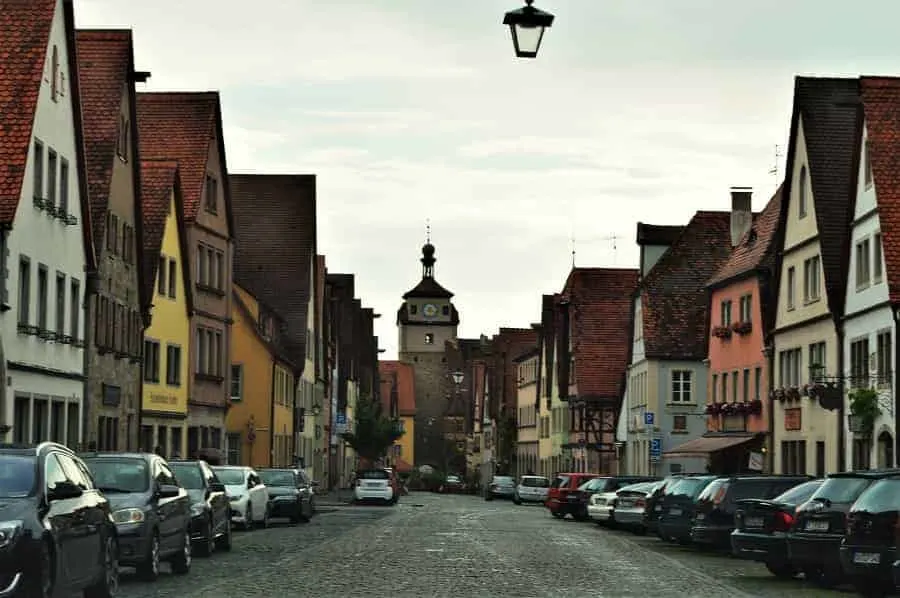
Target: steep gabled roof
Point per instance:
(757, 248)
(881, 104)
(159, 179)
(673, 295)
(602, 300)
(179, 126)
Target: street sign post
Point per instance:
(655, 449)
(648, 418)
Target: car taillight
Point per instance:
(640, 502)
(783, 521)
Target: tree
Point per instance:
(374, 433)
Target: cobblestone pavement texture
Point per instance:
(432, 545)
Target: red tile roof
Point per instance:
(602, 301)
(158, 180)
(406, 388)
(881, 105)
(179, 126)
(673, 294)
(24, 36)
(756, 249)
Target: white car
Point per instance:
(532, 488)
(248, 497)
(373, 485)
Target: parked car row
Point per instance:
(70, 521)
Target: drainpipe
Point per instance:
(272, 416)
(770, 405)
(896, 312)
(842, 452)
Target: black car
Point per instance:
(151, 511)
(761, 528)
(56, 536)
(869, 549)
(210, 511)
(814, 544)
(290, 494)
(715, 509)
(654, 502)
(677, 508)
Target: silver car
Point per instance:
(630, 504)
(502, 486)
(532, 488)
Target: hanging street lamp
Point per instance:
(527, 26)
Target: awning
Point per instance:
(703, 446)
(402, 466)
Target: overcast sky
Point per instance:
(409, 110)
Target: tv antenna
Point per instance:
(612, 238)
(779, 152)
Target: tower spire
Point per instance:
(428, 258)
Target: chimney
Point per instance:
(741, 213)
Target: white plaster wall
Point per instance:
(637, 346)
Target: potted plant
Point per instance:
(712, 409)
(793, 393)
(780, 394)
(755, 406)
(722, 332)
(742, 328)
(864, 408)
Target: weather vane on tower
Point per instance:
(428, 230)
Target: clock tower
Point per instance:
(425, 321)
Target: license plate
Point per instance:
(675, 512)
(372, 484)
(625, 503)
(753, 522)
(701, 516)
(867, 558)
(572, 499)
(817, 526)
(658, 508)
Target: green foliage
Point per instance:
(864, 404)
(374, 433)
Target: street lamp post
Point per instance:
(527, 25)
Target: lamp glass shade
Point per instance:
(457, 377)
(526, 40)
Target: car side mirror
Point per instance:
(217, 487)
(64, 491)
(167, 491)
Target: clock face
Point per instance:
(430, 310)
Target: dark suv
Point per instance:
(290, 494)
(677, 514)
(210, 511)
(151, 511)
(869, 548)
(716, 505)
(815, 540)
(56, 536)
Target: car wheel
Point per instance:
(181, 562)
(39, 582)
(108, 584)
(207, 544)
(224, 542)
(781, 570)
(517, 500)
(148, 570)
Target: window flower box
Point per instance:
(722, 332)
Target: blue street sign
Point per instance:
(656, 446)
(648, 418)
(340, 418)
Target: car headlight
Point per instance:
(197, 509)
(9, 531)
(126, 516)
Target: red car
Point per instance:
(394, 481)
(563, 485)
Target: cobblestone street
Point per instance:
(457, 546)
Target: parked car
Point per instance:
(395, 482)
(715, 509)
(57, 535)
(814, 544)
(595, 499)
(562, 485)
(630, 505)
(210, 510)
(290, 494)
(248, 497)
(452, 484)
(761, 528)
(151, 511)
(501, 486)
(677, 514)
(531, 488)
(373, 485)
(869, 549)
(654, 501)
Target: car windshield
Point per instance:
(689, 487)
(503, 480)
(188, 475)
(535, 482)
(593, 484)
(373, 474)
(798, 494)
(881, 497)
(710, 491)
(17, 476)
(842, 490)
(120, 475)
(230, 476)
(639, 487)
(278, 478)
(560, 482)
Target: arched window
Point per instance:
(54, 73)
(803, 193)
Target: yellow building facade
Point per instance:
(166, 340)
(260, 420)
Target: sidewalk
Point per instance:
(335, 498)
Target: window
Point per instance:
(867, 164)
(173, 365)
(51, 177)
(746, 385)
(746, 308)
(859, 363)
(789, 368)
(173, 280)
(237, 382)
(220, 271)
(24, 307)
(791, 287)
(122, 140)
(877, 268)
(112, 232)
(863, 274)
(42, 293)
(212, 194)
(793, 457)
(802, 195)
(429, 338)
(127, 243)
(817, 361)
(883, 357)
(38, 173)
(75, 308)
(811, 281)
(726, 313)
(757, 383)
(724, 386)
(63, 186)
(216, 367)
(734, 387)
(151, 361)
(54, 73)
(161, 275)
(715, 388)
(60, 303)
(682, 386)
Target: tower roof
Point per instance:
(428, 288)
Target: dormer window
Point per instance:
(445, 310)
(803, 191)
(867, 164)
(122, 139)
(429, 338)
(54, 73)
(413, 309)
(212, 194)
